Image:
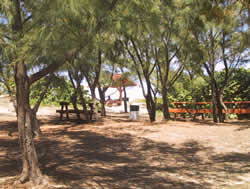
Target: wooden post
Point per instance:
(61, 114)
(202, 115)
(62, 110)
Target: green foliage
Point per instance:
(59, 90)
(190, 89)
(198, 90)
(7, 83)
(238, 88)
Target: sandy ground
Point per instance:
(115, 152)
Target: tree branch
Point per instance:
(49, 69)
(54, 66)
(35, 108)
(176, 76)
(27, 19)
(136, 68)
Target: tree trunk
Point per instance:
(151, 107)
(93, 96)
(224, 106)
(125, 100)
(83, 101)
(166, 114)
(102, 100)
(26, 124)
(219, 105)
(74, 100)
(74, 96)
(214, 101)
(74, 103)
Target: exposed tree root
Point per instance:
(41, 180)
(37, 183)
(24, 177)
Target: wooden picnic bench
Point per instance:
(65, 110)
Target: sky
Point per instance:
(247, 66)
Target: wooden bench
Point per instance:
(71, 111)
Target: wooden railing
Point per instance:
(236, 107)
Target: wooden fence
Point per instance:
(201, 108)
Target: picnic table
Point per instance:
(65, 110)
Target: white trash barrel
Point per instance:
(134, 112)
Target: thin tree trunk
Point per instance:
(224, 107)
(219, 106)
(151, 108)
(213, 87)
(214, 101)
(150, 103)
(74, 100)
(125, 100)
(165, 104)
(74, 96)
(102, 100)
(83, 101)
(93, 96)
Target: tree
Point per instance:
(141, 51)
(218, 31)
(168, 49)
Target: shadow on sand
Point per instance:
(84, 159)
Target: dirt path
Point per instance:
(116, 153)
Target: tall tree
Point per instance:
(141, 51)
(168, 53)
